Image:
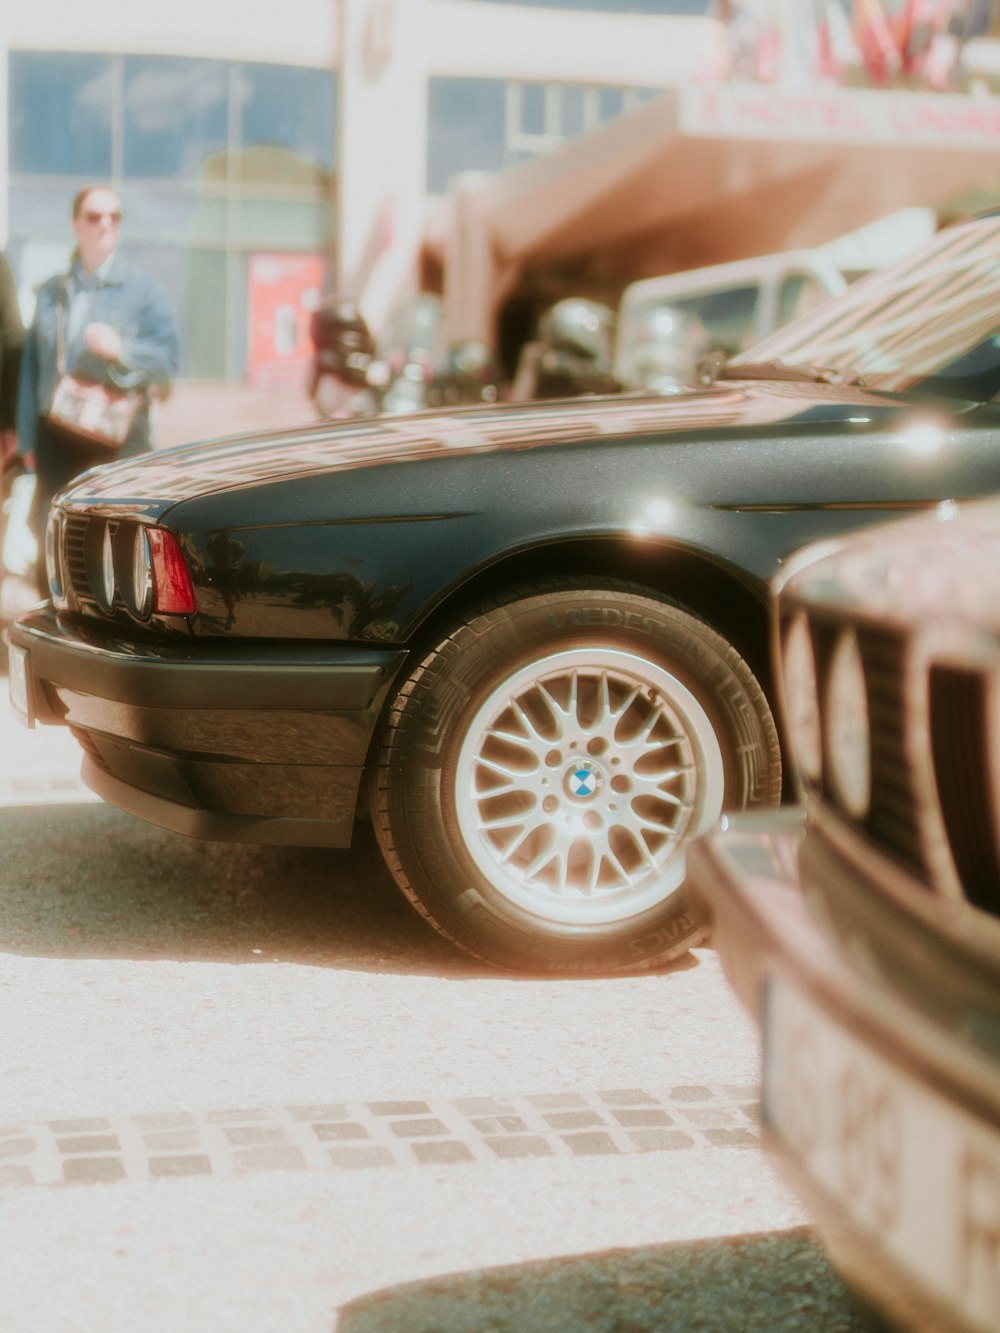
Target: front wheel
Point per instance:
(544, 767)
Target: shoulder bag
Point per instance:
(94, 412)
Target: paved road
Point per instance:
(248, 1089)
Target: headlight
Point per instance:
(848, 733)
(106, 586)
(141, 599)
(53, 564)
(801, 689)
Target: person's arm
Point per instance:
(11, 343)
(27, 405)
(147, 357)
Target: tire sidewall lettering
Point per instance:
(609, 617)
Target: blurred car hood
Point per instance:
(927, 569)
(153, 482)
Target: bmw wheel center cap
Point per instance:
(583, 780)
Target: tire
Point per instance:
(541, 770)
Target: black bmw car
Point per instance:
(528, 641)
(862, 931)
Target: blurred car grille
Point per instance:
(74, 562)
(893, 817)
(959, 745)
(932, 807)
(80, 532)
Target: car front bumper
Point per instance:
(247, 744)
(884, 1121)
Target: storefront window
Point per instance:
(175, 115)
(60, 114)
(287, 108)
(465, 128)
(215, 161)
(486, 124)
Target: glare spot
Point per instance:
(659, 513)
(924, 438)
(655, 516)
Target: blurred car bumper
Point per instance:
(265, 743)
(886, 1123)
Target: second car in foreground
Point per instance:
(530, 641)
(866, 939)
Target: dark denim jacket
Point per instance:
(131, 302)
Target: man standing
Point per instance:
(109, 325)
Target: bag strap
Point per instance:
(60, 304)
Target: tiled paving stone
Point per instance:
(398, 1134)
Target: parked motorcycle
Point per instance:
(572, 354)
(347, 379)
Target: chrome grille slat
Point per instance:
(957, 705)
(932, 793)
(75, 532)
(893, 817)
(74, 535)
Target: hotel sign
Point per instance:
(840, 116)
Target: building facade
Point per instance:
(221, 125)
(268, 151)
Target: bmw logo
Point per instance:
(583, 780)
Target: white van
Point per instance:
(665, 324)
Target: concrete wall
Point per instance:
(295, 32)
(503, 41)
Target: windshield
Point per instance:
(930, 322)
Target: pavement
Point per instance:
(356, 1132)
(206, 410)
(235, 1101)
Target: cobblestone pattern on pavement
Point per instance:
(617, 1122)
(39, 766)
(36, 789)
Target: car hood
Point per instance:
(152, 483)
(929, 569)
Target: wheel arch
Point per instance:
(734, 604)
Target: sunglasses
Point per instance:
(94, 218)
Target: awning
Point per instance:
(703, 175)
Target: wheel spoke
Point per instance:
(557, 714)
(512, 738)
(641, 738)
(596, 861)
(654, 826)
(534, 737)
(494, 825)
(671, 798)
(640, 844)
(626, 704)
(618, 866)
(551, 856)
(511, 851)
(502, 770)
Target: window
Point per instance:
(465, 129)
(287, 108)
(541, 116)
(60, 114)
(728, 315)
(175, 116)
(486, 124)
(214, 160)
(798, 292)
